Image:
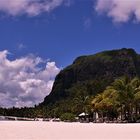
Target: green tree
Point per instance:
(106, 104)
(67, 117)
(123, 96)
(128, 91)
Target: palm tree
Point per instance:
(136, 85)
(123, 95)
(124, 91)
(105, 104)
(128, 95)
(82, 103)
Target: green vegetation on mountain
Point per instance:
(76, 85)
(103, 83)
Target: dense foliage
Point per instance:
(77, 85)
(68, 117)
(122, 99)
(88, 76)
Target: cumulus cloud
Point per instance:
(30, 7)
(120, 10)
(24, 81)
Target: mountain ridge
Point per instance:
(92, 73)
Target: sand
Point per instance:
(24, 130)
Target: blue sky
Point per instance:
(66, 32)
(61, 30)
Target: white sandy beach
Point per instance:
(19, 130)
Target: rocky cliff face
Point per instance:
(94, 73)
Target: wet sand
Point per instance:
(32, 130)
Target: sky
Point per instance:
(38, 38)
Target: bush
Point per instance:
(68, 117)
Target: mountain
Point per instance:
(88, 76)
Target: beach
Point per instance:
(38, 130)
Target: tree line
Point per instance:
(119, 101)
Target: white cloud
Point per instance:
(30, 7)
(120, 10)
(23, 82)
